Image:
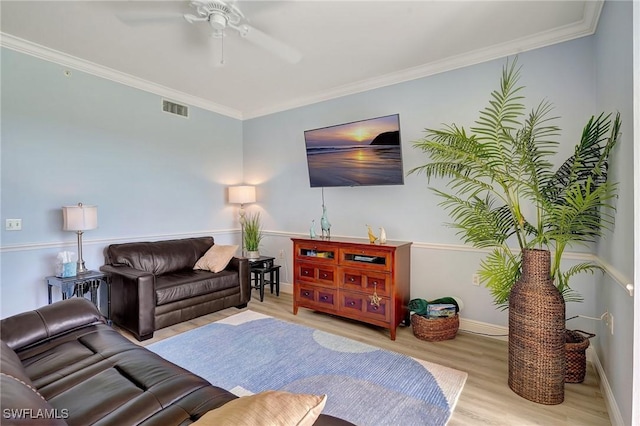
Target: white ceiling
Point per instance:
(346, 46)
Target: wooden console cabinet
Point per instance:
(353, 278)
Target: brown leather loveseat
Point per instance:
(154, 285)
(62, 365)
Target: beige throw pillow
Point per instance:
(216, 258)
(269, 408)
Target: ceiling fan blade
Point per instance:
(269, 43)
(149, 17)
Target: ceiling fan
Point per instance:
(223, 16)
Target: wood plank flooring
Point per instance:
(486, 398)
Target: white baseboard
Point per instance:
(485, 329)
(286, 288)
(501, 333)
(612, 406)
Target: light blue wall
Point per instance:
(274, 158)
(67, 139)
(153, 175)
(613, 59)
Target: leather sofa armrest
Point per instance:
(241, 264)
(31, 327)
(133, 299)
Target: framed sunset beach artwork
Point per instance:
(360, 153)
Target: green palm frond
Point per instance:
(562, 280)
(498, 272)
(477, 221)
(583, 215)
(590, 157)
(505, 164)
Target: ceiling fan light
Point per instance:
(218, 21)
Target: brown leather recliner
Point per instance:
(154, 285)
(62, 365)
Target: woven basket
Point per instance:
(576, 345)
(435, 329)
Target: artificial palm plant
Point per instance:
(253, 232)
(503, 168)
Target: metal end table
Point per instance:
(78, 285)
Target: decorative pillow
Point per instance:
(267, 409)
(216, 258)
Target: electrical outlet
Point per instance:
(281, 254)
(475, 279)
(13, 225)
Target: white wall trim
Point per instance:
(484, 329)
(477, 327)
(609, 399)
(616, 275)
(119, 240)
(42, 52)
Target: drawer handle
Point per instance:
(306, 293)
(375, 283)
(305, 272)
(352, 303)
(351, 279)
(324, 275)
(375, 308)
(324, 297)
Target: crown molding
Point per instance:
(586, 27)
(24, 46)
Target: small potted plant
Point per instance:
(252, 235)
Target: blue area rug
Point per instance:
(249, 353)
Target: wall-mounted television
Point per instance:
(360, 153)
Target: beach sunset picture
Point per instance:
(366, 152)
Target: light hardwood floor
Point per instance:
(486, 398)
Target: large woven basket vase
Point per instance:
(537, 357)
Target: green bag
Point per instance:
(421, 306)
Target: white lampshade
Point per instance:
(242, 194)
(79, 218)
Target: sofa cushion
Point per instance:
(20, 399)
(216, 258)
(21, 404)
(189, 283)
(10, 363)
(98, 376)
(26, 328)
(266, 409)
(159, 257)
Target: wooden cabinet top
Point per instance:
(351, 241)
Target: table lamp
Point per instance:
(242, 194)
(80, 218)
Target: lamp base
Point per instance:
(81, 269)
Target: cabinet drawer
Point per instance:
(367, 258)
(365, 280)
(360, 304)
(316, 296)
(316, 273)
(321, 253)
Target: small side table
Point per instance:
(78, 285)
(261, 266)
